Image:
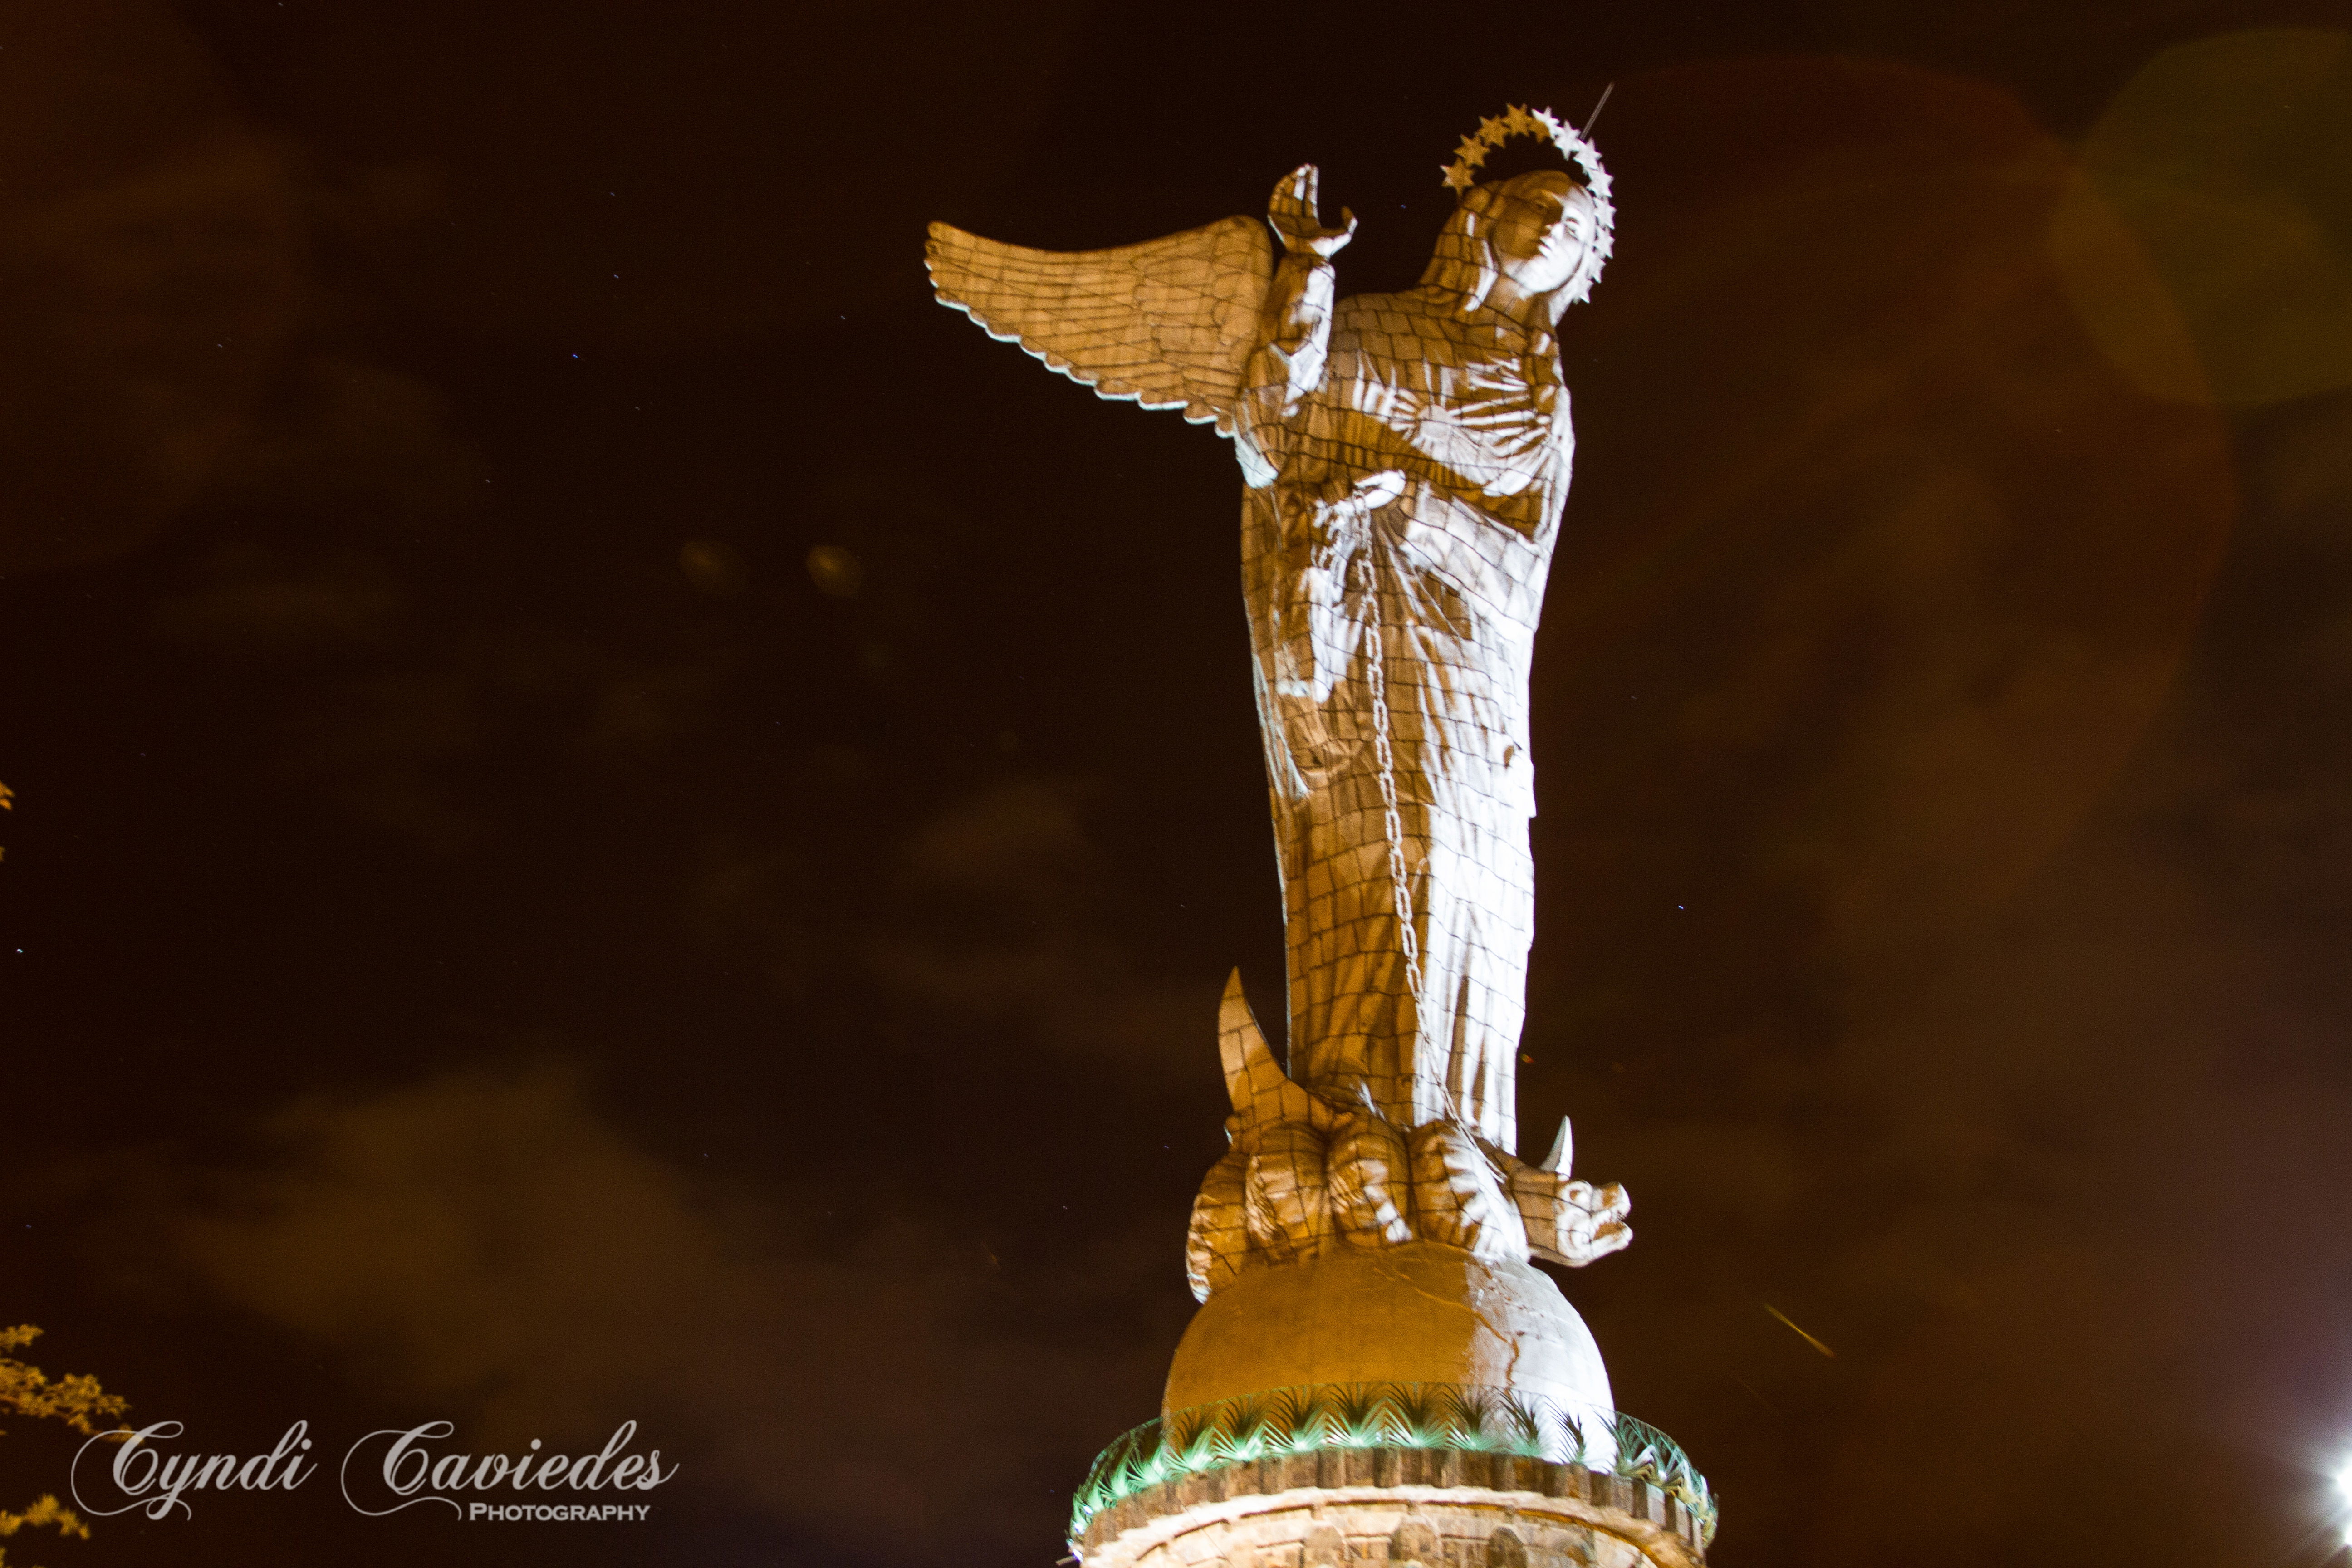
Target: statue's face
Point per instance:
(1547, 226)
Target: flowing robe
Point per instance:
(1407, 467)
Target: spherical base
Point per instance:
(1422, 1312)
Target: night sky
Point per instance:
(492, 929)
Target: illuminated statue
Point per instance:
(1406, 457)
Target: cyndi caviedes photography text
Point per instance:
(381, 1473)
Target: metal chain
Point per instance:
(1377, 675)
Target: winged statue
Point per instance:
(1405, 457)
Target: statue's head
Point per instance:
(1539, 230)
(1545, 235)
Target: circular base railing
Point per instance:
(1411, 1416)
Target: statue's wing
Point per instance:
(1170, 323)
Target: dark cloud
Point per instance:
(172, 341)
(995, 915)
(555, 184)
(2219, 155)
(998, 915)
(154, 256)
(248, 597)
(488, 1244)
(367, 443)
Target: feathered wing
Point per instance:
(1170, 323)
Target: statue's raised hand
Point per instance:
(1294, 212)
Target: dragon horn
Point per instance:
(1259, 1088)
(1563, 1149)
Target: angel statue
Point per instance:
(1405, 457)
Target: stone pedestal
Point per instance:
(1342, 1508)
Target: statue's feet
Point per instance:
(1290, 1190)
(1311, 1171)
(1458, 1195)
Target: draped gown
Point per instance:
(1404, 496)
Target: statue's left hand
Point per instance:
(1297, 217)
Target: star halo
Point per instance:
(1521, 121)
